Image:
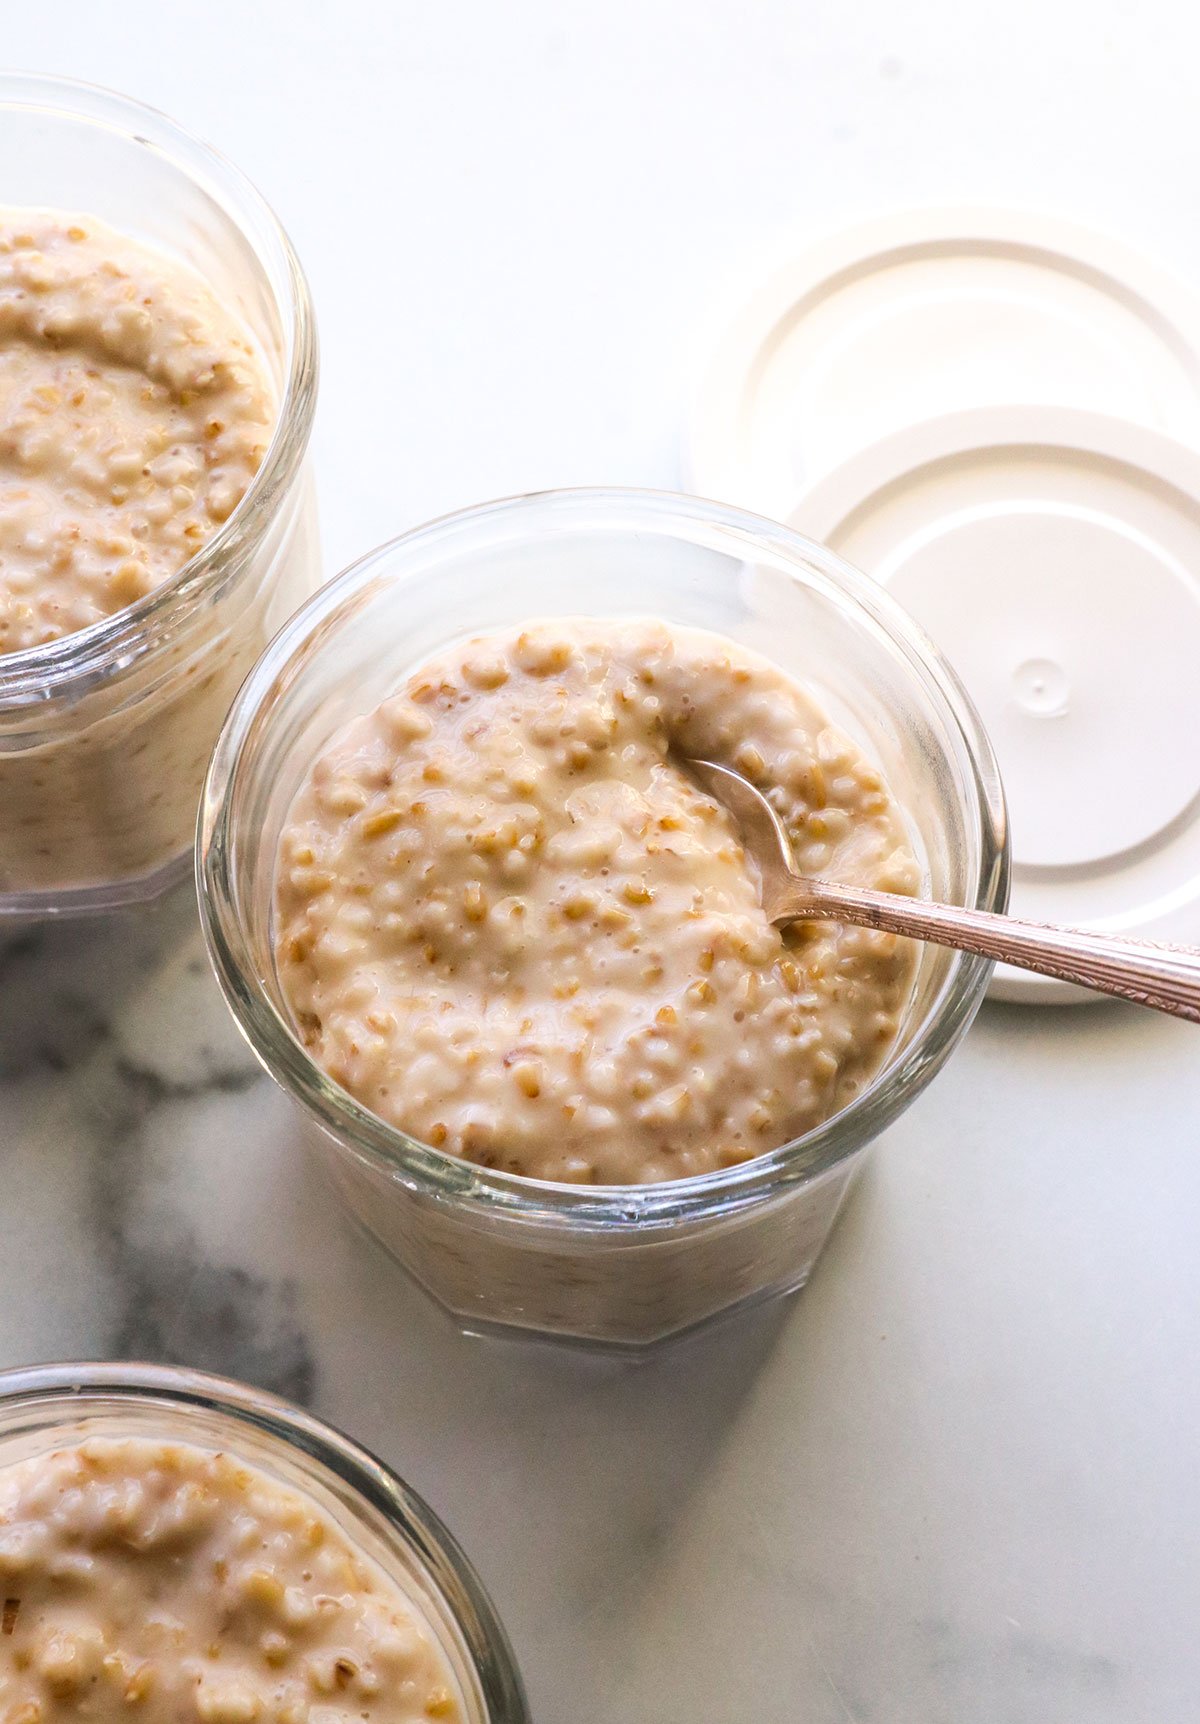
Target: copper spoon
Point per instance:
(1164, 977)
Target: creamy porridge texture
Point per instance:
(509, 923)
(133, 415)
(162, 1582)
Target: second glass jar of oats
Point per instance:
(472, 918)
(157, 518)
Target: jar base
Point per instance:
(55, 902)
(627, 1349)
(766, 1304)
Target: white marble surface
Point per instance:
(954, 1483)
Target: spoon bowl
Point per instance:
(1165, 978)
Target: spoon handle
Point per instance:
(1166, 978)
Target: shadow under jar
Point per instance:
(105, 733)
(44, 1408)
(611, 1266)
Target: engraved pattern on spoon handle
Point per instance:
(1166, 978)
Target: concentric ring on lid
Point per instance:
(926, 312)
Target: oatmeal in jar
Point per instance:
(511, 924)
(169, 1583)
(134, 412)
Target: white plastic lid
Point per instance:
(973, 408)
(1054, 557)
(922, 313)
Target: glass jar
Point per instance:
(46, 1407)
(610, 1266)
(105, 733)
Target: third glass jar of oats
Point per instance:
(179, 1546)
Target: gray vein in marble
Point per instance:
(78, 1003)
(214, 1318)
(952, 1650)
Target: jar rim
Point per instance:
(73, 662)
(799, 1161)
(381, 1488)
